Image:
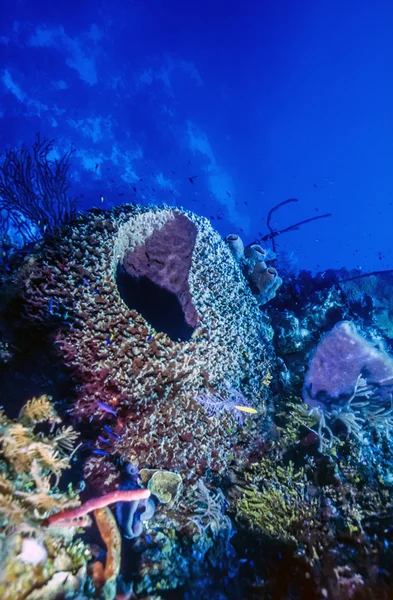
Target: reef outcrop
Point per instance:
(91, 284)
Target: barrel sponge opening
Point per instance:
(165, 256)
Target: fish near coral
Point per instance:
(107, 408)
(246, 409)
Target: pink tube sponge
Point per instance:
(70, 518)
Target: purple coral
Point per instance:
(341, 359)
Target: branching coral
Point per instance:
(279, 506)
(319, 507)
(138, 381)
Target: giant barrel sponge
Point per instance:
(136, 385)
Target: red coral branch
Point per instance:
(70, 517)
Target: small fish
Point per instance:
(51, 306)
(85, 281)
(103, 440)
(106, 408)
(102, 198)
(247, 409)
(111, 433)
(109, 340)
(150, 337)
(100, 452)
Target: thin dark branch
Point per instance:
(365, 275)
(273, 234)
(272, 210)
(33, 190)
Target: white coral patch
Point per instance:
(33, 552)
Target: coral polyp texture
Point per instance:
(91, 283)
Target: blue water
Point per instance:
(224, 108)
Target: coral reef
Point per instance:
(318, 513)
(267, 480)
(189, 550)
(334, 459)
(137, 381)
(36, 561)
